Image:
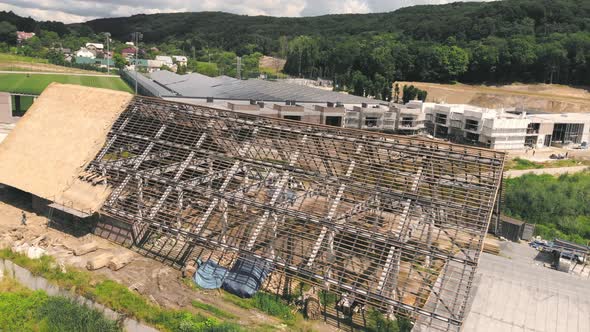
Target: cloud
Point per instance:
(70, 11)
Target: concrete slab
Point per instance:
(516, 293)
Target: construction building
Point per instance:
(502, 129)
(393, 223)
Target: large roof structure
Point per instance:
(392, 222)
(223, 87)
(56, 139)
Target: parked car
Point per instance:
(541, 245)
(557, 156)
(572, 256)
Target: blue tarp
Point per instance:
(210, 275)
(246, 276)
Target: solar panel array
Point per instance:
(223, 87)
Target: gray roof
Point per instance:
(147, 84)
(224, 87)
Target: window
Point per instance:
(335, 121)
(533, 128)
(441, 118)
(568, 132)
(472, 137)
(407, 122)
(292, 117)
(471, 125)
(371, 122)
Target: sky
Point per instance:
(70, 11)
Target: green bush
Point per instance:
(24, 310)
(377, 322)
(117, 297)
(272, 305)
(521, 164)
(59, 314)
(560, 206)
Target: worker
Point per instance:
(23, 218)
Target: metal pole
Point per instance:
(108, 35)
(138, 36)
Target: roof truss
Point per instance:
(397, 223)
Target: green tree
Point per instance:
(181, 70)
(119, 60)
(56, 57)
(7, 33)
(451, 61)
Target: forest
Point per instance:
(476, 42)
(559, 206)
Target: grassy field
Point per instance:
(11, 62)
(24, 310)
(36, 83)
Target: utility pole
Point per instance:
(553, 67)
(239, 67)
(109, 57)
(300, 55)
(137, 37)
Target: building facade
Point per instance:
(503, 129)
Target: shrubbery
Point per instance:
(25, 310)
(560, 206)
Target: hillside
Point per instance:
(497, 42)
(466, 21)
(543, 97)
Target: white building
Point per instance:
(167, 60)
(562, 129)
(502, 129)
(95, 46)
(153, 65)
(85, 53)
(180, 60)
(493, 128)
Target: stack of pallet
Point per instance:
(491, 245)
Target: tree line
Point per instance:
(544, 41)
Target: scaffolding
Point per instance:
(390, 222)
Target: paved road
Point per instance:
(518, 294)
(552, 171)
(53, 73)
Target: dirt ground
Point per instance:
(158, 282)
(272, 62)
(542, 155)
(41, 67)
(544, 97)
